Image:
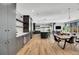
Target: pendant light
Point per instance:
(69, 14)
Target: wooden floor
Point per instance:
(38, 46)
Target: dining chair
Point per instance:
(70, 41)
(77, 42)
(57, 40)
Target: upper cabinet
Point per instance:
(27, 25)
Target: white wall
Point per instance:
(19, 16)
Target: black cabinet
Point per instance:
(44, 34)
(27, 24)
(33, 26)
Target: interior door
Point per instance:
(3, 29)
(12, 29)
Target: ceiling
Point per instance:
(49, 12)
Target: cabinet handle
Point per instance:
(8, 30)
(5, 30)
(5, 42)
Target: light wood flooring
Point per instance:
(38, 46)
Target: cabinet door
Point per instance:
(26, 23)
(3, 29)
(0, 23)
(12, 29)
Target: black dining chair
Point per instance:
(57, 40)
(77, 42)
(70, 41)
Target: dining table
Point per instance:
(65, 38)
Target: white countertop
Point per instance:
(21, 34)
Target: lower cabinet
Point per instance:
(3, 47)
(44, 34)
(22, 40)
